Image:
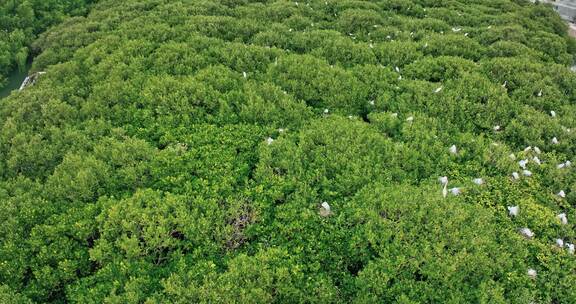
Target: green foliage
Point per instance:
(22, 20)
(186, 152)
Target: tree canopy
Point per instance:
(259, 151)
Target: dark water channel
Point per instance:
(15, 79)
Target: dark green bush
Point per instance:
(267, 151)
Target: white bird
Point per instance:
(570, 248)
(371, 46)
(269, 140)
(537, 160)
(523, 163)
(513, 210)
(540, 93)
(537, 150)
(443, 180)
(456, 29)
(561, 194)
(568, 163)
(527, 149)
(560, 243)
(555, 140)
(445, 190)
(244, 74)
(527, 233)
(532, 273)
(371, 102)
(453, 149)
(512, 156)
(455, 191)
(395, 115)
(281, 130)
(397, 69)
(438, 90)
(563, 219)
(505, 83)
(553, 113)
(410, 119)
(527, 173)
(515, 175)
(478, 181)
(560, 166)
(496, 128)
(325, 209)
(326, 111)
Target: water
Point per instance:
(14, 81)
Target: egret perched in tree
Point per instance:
(527, 149)
(532, 273)
(523, 163)
(553, 113)
(527, 172)
(555, 141)
(410, 119)
(513, 210)
(563, 219)
(561, 194)
(244, 74)
(560, 243)
(537, 150)
(453, 149)
(570, 248)
(515, 175)
(325, 209)
(537, 160)
(444, 181)
(478, 181)
(455, 191)
(438, 90)
(496, 128)
(527, 233)
(269, 140)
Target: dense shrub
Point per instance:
(237, 151)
